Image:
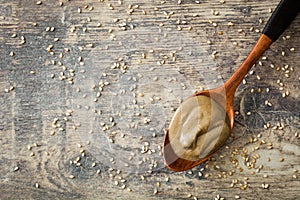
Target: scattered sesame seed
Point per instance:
(294, 176)
(265, 186)
(258, 77)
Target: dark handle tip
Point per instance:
(283, 15)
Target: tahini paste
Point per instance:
(199, 127)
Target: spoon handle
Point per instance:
(281, 18)
(283, 15)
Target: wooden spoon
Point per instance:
(283, 15)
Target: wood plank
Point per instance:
(60, 141)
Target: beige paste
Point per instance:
(199, 127)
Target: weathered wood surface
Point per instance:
(166, 50)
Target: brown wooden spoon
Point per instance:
(283, 15)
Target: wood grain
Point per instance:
(56, 138)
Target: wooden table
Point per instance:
(87, 88)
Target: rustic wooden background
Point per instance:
(87, 88)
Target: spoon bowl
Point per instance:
(176, 163)
(283, 15)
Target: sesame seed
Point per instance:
(265, 186)
(294, 176)
(158, 184)
(230, 24)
